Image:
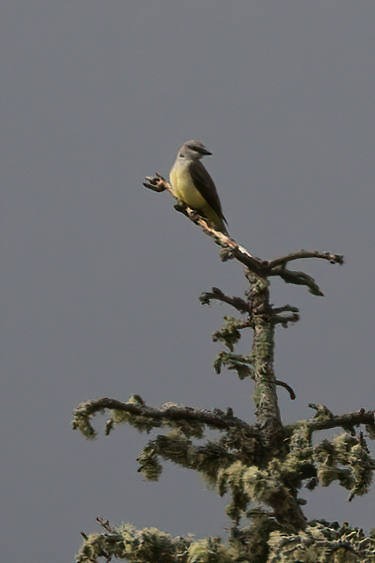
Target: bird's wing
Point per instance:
(206, 187)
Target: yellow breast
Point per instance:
(183, 187)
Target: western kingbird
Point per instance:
(192, 184)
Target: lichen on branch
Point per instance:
(264, 467)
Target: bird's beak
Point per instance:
(204, 151)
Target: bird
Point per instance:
(192, 184)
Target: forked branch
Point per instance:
(231, 249)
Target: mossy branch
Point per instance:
(326, 420)
(322, 541)
(150, 544)
(263, 541)
(136, 413)
(261, 465)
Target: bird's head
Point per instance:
(193, 150)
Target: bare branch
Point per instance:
(159, 184)
(231, 249)
(300, 254)
(297, 278)
(285, 309)
(287, 387)
(104, 522)
(236, 302)
(285, 319)
(279, 318)
(156, 183)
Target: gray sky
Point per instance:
(100, 278)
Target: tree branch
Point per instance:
(285, 319)
(214, 419)
(301, 254)
(297, 278)
(126, 542)
(216, 293)
(346, 421)
(231, 249)
(287, 387)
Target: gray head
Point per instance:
(192, 150)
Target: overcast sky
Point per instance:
(100, 278)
